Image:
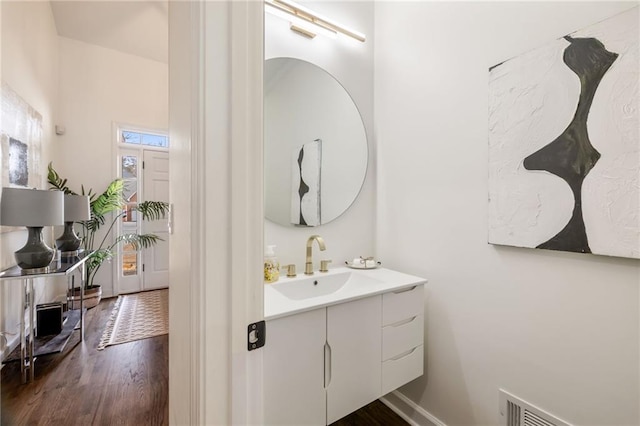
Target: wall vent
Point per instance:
(516, 412)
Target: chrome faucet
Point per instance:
(308, 266)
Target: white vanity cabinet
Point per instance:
(294, 392)
(322, 364)
(353, 361)
(402, 337)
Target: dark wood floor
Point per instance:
(122, 385)
(374, 414)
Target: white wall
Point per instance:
(560, 330)
(30, 67)
(100, 87)
(351, 63)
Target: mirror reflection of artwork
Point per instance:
(564, 145)
(18, 163)
(306, 174)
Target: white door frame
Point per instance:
(215, 73)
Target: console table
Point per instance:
(62, 267)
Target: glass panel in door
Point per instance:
(129, 173)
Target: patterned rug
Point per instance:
(136, 317)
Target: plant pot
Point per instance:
(92, 297)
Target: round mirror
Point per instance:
(315, 144)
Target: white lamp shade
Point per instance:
(76, 208)
(31, 207)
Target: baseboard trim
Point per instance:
(411, 412)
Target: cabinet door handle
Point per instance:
(327, 364)
(403, 322)
(404, 354)
(404, 290)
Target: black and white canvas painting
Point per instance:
(20, 141)
(564, 146)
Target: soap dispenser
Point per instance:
(271, 265)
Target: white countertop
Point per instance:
(383, 280)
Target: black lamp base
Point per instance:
(35, 255)
(68, 243)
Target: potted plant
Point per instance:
(106, 209)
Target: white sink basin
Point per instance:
(321, 284)
(306, 292)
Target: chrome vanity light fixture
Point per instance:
(33, 209)
(76, 209)
(307, 22)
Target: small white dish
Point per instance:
(370, 264)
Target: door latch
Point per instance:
(256, 335)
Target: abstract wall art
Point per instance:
(564, 145)
(20, 140)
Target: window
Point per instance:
(147, 139)
(129, 174)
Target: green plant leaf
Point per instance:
(110, 200)
(139, 241)
(56, 182)
(153, 210)
(99, 256)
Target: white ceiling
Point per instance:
(135, 27)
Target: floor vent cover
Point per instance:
(516, 412)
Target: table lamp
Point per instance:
(33, 209)
(76, 208)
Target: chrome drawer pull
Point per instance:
(404, 290)
(404, 354)
(403, 322)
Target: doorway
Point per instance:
(143, 163)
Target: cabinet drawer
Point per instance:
(402, 369)
(399, 337)
(402, 304)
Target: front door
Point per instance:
(155, 260)
(145, 172)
